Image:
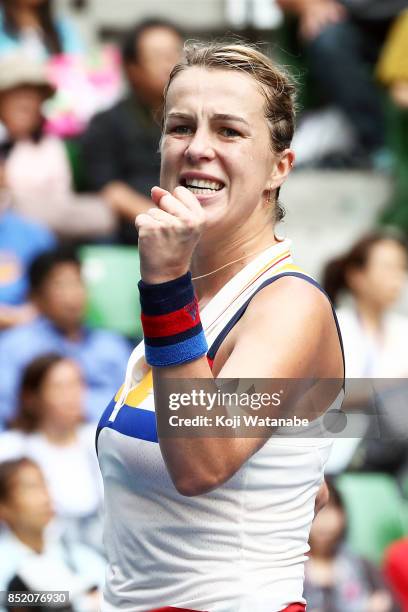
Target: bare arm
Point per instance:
(314, 15)
(288, 326)
(11, 315)
(293, 6)
(101, 155)
(289, 347)
(322, 497)
(125, 201)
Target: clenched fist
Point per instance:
(169, 234)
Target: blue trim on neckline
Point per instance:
(133, 422)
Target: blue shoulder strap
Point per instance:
(224, 333)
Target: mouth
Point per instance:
(202, 186)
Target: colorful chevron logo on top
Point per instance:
(192, 309)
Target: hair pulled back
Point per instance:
(336, 271)
(275, 84)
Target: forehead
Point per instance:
(207, 90)
(386, 250)
(60, 270)
(26, 475)
(22, 91)
(61, 368)
(157, 38)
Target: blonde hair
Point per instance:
(275, 84)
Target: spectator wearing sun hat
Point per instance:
(36, 169)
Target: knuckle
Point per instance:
(143, 234)
(179, 190)
(189, 223)
(166, 199)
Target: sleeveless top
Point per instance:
(239, 548)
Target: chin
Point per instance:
(215, 218)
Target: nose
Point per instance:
(200, 147)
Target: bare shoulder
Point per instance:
(291, 299)
(289, 326)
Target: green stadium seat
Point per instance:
(73, 151)
(111, 274)
(396, 212)
(377, 513)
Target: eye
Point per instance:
(229, 132)
(181, 130)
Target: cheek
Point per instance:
(50, 299)
(28, 114)
(248, 179)
(51, 405)
(21, 503)
(375, 282)
(251, 163)
(172, 156)
(50, 396)
(79, 294)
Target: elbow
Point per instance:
(191, 486)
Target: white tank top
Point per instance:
(239, 548)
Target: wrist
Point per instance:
(171, 322)
(161, 278)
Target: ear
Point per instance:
(282, 166)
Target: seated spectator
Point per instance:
(35, 557)
(392, 68)
(36, 170)
(343, 39)
(396, 571)
(373, 273)
(58, 293)
(20, 242)
(49, 429)
(392, 71)
(30, 26)
(336, 580)
(120, 147)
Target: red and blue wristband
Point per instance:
(172, 328)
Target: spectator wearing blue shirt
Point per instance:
(29, 26)
(20, 242)
(58, 293)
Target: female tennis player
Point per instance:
(207, 523)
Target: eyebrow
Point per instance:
(217, 117)
(226, 117)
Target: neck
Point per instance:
(26, 17)
(151, 102)
(370, 315)
(58, 436)
(213, 254)
(73, 332)
(32, 539)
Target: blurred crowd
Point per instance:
(79, 144)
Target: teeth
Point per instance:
(203, 184)
(199, 191)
